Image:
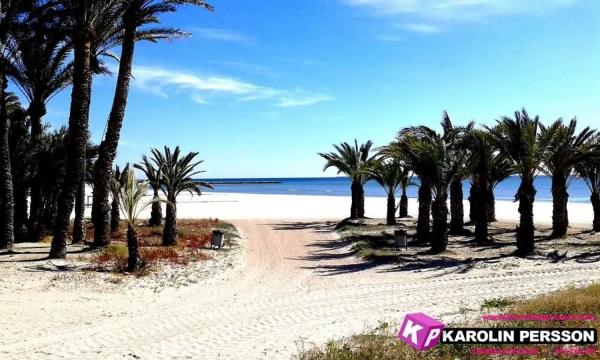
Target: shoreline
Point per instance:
(238, 206)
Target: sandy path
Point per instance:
(296, 283)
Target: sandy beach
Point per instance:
(293, 285)
(253, 206)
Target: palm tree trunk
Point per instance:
(423, 226)
(7, 233)
(20, 217)
(491, 203)
(36, 111)
(481, 221)
(357, 209)
(595, 200)
(115, 215)
(525, 232)
(403, 204)
(560, 199)
(77, 139)
(170, 230)
(134, 262)
(473, 203)
(391, 209)
(457, 214)
(78, 223)
(156, 213)
(108, 147)
(439, 234)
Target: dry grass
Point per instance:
(382, 343)
(194, 238)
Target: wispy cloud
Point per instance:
(221, 35)
(164, 83)
(433, 15)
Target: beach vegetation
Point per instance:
(177, 172)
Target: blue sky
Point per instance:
(262, 86)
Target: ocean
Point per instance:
(340, 186)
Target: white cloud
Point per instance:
(422, 28)
(162, 82)
(432, 14)
(221, 35)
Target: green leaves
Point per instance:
(176, 172)
(352, 160)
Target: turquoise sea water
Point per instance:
(340, 186)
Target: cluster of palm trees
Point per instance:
(485, 156)
(47, 46)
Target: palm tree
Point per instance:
(153, 175)
(355, 162)
(9, 21)
(500, 169)
(436, 159)
(118, 181)
(83, 19)
(131, 196)
(481, 154)
(566, 149)
(136, 14)
(177, 175)
(390, 175)
(42, 70)
(393, 151)
(520, 141)
(78, 223)
(589, 171)
(20, 162)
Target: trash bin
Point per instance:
(400, 239)
(218, 237)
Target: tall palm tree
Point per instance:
(135, 16)
(153, 175)
(78, 223)
(20, 159)
(519, 140)
(589, 171)
(390, 175)
(355, 162)
(393, 151)
(82, 18)
(177, 175)
(43, 69)
(10, 14)
(131, 196)
(567, 148)
(436, 159)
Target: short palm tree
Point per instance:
(390, 175)
(393, 151)
(131, 202)
(118, 182)
(481, 154)
(153, 175)
(519, 140)
(567, 148)
(177, 175)
(355, 162)
(436, 159)
(589, 171)
(500, 169)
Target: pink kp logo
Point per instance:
(420, 331)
